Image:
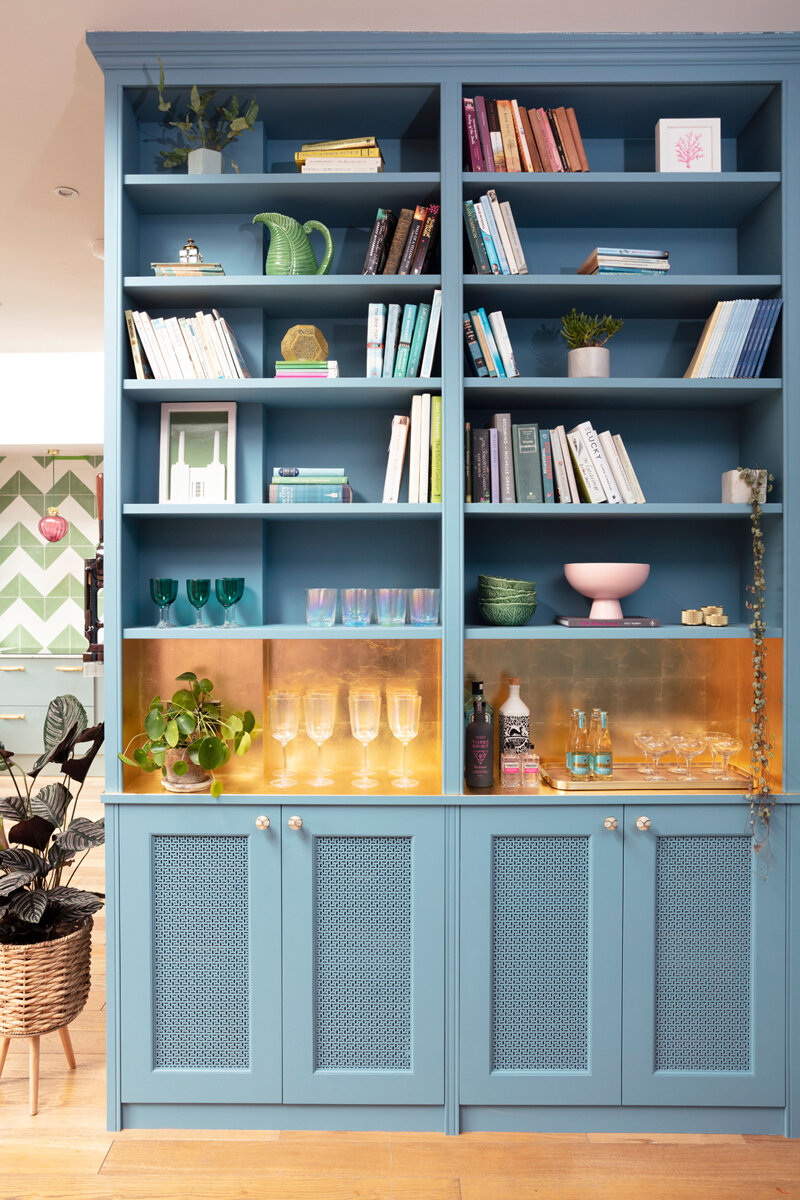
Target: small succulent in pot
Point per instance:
(204, 128)
(581, 330)
(189, 736)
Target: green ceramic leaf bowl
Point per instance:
(501, 581)
(507, 613)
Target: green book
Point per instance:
(404, 344)
(436, 450)
(527, 464)
(475, 239)
(418, 340)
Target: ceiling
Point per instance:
(51, 286)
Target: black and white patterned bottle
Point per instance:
(515, 721)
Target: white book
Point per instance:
(505, 454)
(483, 225)
(494, 233)
(212, 337)
(503, 343)
(147, 338)
(563, 494)
(376, 329)
(433, 331)
(214, 366)
(179, 346)
(706, 363)
(414, 449)
(628, 465)
(394, 465)
(190, 338)
(391, 339)
(513, 236)
(585, 472)
(200, 346)
(423, 490)
(575, 495)
(169, 356)
(617, 469)
(605, 474)
(508, 249)
(327, 166)
(232, 369)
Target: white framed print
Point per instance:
(197, 461)
(686, 144)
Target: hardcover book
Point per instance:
(488, 241)
(496, 136)
(467, 462)
(527, 463)
(376, 327)
(396, 456)
(436, 450)
(322, 493)
(505, 452)
(475, 356)
(473, 156)
(414, 233)
(609, 622)
(481, 468)
(423, 256)
(475, 240)
(494, 466)
(380, 237)
(484, 134)
(417, 340)
(398, 242)
(404, 344)
(548, 483)
(426, 367)
(588, 482)
(392, 336)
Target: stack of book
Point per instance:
(420, 435)
(306, 368)
(309, 485)
(613, 260)
(401, 339)
(504, 135)
(403, 244)
(359, 155)
(492, 236)
(526, 464)
(735, 340)
(187, 268)
(200, 347)
(489, 352)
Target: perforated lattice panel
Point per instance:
(200, 953)
(703, 920)
(540, 968)
(362, 953)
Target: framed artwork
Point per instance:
(198, 454)
(683, 144)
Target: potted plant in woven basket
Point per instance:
(45, 922)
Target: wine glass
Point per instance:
(198, 591)
(320, 708)
(656, 745)
(164, 592)
(640, 739)
(403, 709)
(365, 715)
(284, 718)
(728, 745)
(688, 745)
(229, 592)
(711, 736)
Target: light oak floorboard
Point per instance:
(324, 1159)
(166, 1187)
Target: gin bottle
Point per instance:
(515, 720)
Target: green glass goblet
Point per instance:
(164, 592)
(198, 591)
(229, 592)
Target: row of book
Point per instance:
(310, 485)
(361, 155)
(525, 464)
(184, 269)
(403, 244)
(401, 339)
(200, 347)
(492, 236)
(504, 135)
(306, 368)
(735, 340)
(418, 437)
(615, 260)
(489, 352)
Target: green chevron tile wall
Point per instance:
(41, 584)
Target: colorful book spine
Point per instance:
(391, 340)
(418, 340)
(494, 466)
(141, 366)
(505, 116)
(481, 467)
(488, 242)
(513, 237)
(308, 472)
(473, 141)
(527, 463)
(484, 134)
(505, 450)
(436, 449)
(486, 337)
(604, 473)
(589, 485)
(548, 483)
(494, 233)
(467, 463)
(423, 255)
(404, 343)
(385, 222)
(398, 241)
(475, 354)
(376, 329)
(495, 136)
(316, 481)
(574, 493)
(771, 322)
(498, 327)
(751, 340)
(559, 470)
(323, 493)
(526, 158)
(475, 240)
(426, 367)
(414, 233)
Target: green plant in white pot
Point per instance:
(207, 130)
(586, 337)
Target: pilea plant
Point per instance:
(760, 796)
(581, 330)
(204, 128)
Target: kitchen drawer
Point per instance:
(21, 726)
(37, 680)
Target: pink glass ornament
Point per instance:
(53, 526)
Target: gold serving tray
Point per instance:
(628, 778)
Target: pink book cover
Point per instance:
(485, 135)
(473, 137)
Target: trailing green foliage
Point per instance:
(202, 127)
(581, 330)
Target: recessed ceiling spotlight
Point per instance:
(66, 193)
(99, 248)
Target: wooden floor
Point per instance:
(65, 1153)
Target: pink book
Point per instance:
(485, 135)
(472, 135)
(550, 141)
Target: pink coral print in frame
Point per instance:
(688, 145)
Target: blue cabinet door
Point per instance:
(363, 967)
(200, 938)
(541, 919)
(704, 952)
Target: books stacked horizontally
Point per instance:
(306, 368)
(421, 436)
(735, 340)
(401, 339)
(200, 347)
(489, 352)
(359, 155)
(187, 268)
(504, 135)
(404, 244)
(613, 260)
(309, 485)
(526, 464)
(492, 236)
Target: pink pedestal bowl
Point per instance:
(606, 584)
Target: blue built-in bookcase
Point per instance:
(438, 959)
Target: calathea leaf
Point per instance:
(23, 860)
(13, 807)
(34, 831)
(75, 899)
(30, 906)
(17, 879)
(62, 714)
(59, 753)
(51, 803)
(81, 835)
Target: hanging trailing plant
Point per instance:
(760, 797)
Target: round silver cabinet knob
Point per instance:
(642, 823)
(295, 822)
(611, 823)
(262, 822)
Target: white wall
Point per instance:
(51, 401)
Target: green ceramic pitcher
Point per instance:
(290, 250)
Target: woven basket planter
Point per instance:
(44, 986)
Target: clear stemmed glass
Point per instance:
(198, 591)
(640, 739)
(320, 708)
(229, 592)
(656, 745)
(164, 592)
(403, 710)
(688, 745)
(727, 746)
(711, 741)
(365, 716)
(284, 718)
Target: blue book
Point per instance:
(761, 333)
(390, 341)
(488, 241)
(716, 369)
(418, 340)
(479, 315)
(772, 321)
(310, 493)
(749, 310)
(547, 466)
(476, 358)
(505, 269)
(404, 345)
(751, 341)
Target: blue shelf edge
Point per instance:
(284, 512)
(551, 511)
(288, 633)
(545, 632)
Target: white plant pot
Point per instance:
(589, 362)
(205, 162)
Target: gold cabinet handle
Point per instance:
(262, 822)
(295, 822)
(12, 668)
(12, 716)
(643, 823)
(69, 668)
(611, 823)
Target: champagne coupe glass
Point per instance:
(229, 592)
(640, 739)
(688, 745)
(198, 591)
(656, 745)
(403, 708)
(320, 708)
(365, 716)
(728, 745)
(711, 741)
(284, 718)
(164, 592)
